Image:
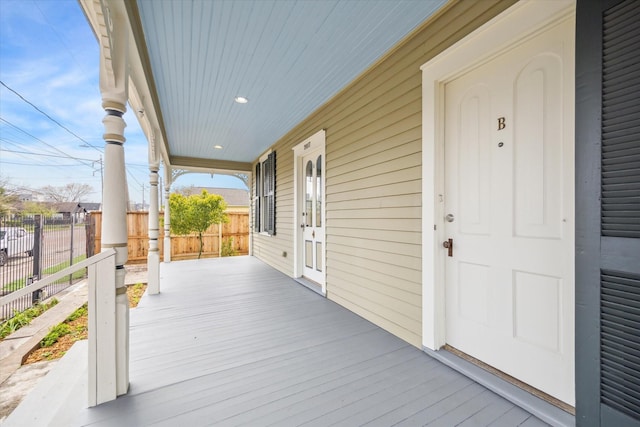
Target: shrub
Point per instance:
(227, 248)
(25, 317)
(55, 334)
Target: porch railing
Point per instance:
(33, 248)
(102, 319)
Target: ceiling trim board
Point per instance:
(135, 23)
(178, 162)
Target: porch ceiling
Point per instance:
(288, 57)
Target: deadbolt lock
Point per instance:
(448, 244)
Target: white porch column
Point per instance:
(167, 223)
(153, 257)
(114, 79)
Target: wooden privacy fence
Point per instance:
(182, 247)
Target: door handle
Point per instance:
(449, 245)
(302, 225)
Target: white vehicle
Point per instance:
(14, 241)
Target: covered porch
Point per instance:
(232, 341)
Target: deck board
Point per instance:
(234, 342)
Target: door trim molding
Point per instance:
(316, 142)
(520, 22)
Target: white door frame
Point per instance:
(518, 23)
(315, 142)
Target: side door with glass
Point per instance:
(312, 218)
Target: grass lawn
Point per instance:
(20, 283)
(62, 336)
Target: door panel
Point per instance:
(474, 127)
(312, 218)
(509, 190)
(538, 156)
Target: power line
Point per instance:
(132, 165)
(133, 177)
(36, 138)
(57, 33)
(38, 165)
(24, 155)
(17, 144)
(47, 155)
(48, 116)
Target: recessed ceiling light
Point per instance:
(218, 147)
(241, 100)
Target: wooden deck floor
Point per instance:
(233, 342)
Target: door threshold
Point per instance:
(536, 405)
(310, 284)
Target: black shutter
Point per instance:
(620, 211)
(271, 194)
(621, 120)
(608, 212)
(620, 342)
(257, 200)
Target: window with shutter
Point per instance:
(256, 199)
(264, 197)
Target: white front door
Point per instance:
(312, 217)
(508, 205)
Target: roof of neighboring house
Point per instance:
(233, 196)
(71, 207)
(62, 207)
(91, 206)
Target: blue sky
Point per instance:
(49, 56)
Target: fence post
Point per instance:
(91, 231)
(37, 255)
(73, 220)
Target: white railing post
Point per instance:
(102, 332)
(167, 224)
(114, 88)
(153, 257)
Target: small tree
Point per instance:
(8, 198)
(35, 208)
(8, 201)
(196, 213)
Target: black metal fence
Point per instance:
(33, 247)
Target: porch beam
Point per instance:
(209, 164)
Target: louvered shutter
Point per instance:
(621, 120)
(270, 189)
(257, 200)
(620, 211)
(608, 212)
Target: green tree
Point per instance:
(35, 208)
(196, 213)
(8, 200)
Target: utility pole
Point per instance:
(143, 196)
